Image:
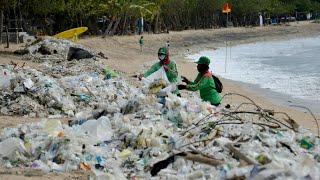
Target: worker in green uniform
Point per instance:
(141, 42)
(203, 82)
(169, 66)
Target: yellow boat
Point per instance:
(71, 33)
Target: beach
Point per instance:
(124, 55)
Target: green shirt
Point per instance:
(172, 73)
(141, 41)
(206, 85)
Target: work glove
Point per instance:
(140, 76)
(180, 87)
(184, 79)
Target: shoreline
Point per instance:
(277, 97)
(274, 96)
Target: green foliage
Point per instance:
(174, 13)
(305, 5)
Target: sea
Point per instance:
(287, 72)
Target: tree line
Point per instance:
(120, 17)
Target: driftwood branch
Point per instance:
(231, 94)
(244, 112)
(264, 114)
(315, 120)
(200, 159)
(91, 92)
(157, 167)
(238, 154)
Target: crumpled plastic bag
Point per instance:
(53, 127)
(9, 147)
(5, 81)
(160, 74)
(99, 130)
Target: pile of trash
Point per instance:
(185, 138)
(71, 68)
(60, 86)
(27, 91)
(118, 132)
(53, 49)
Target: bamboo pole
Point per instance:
(225, 66)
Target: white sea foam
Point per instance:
(289, 67)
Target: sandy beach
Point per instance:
(124, 56)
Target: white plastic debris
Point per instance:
(119, 132)
(28, 83)
(100, 129)
(9, 147)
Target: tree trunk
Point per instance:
(177, 23)
(45, 27)
(90, 25)
(16, 25)
(108, 28)
(7, 33)
(131, 26)
(124, 25)
(20, 19)
(135, 27)
(77, 19)
(196, 23)
(173, 23)
(166, 28)
(114, 29)
(80, 17)
(7, 18)
(149, 27)
(1, 24)
(155, 30)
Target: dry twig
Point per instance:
(315, 120)
(238, 154)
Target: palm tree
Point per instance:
(143, 9)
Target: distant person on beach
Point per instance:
(169, 66)
(260, 20)
(203, 82)
(167, 46)
(141, 42)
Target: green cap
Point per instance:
(203, 60)
(162, 50)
